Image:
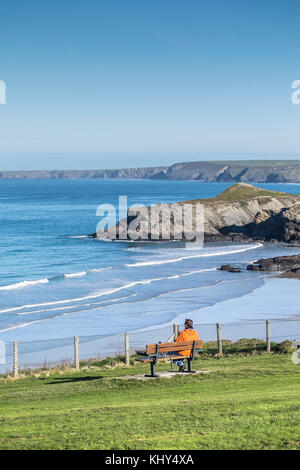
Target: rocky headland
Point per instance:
(242, 212)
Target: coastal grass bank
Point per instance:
(251, 336)
(247, 401)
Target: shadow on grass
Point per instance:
(62, 380)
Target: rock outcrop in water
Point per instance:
(279, 263)
(229, 268)
(289, 265)
(241, 213)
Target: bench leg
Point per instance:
(152, 365)
(190, 371)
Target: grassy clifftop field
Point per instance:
(246, 402)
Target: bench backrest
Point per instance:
(174, 347)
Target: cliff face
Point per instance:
(246, 211)
(235, 171)
(242, 212)
(291, 224)
(243, 171)
(124, 173)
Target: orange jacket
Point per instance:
(187, 335)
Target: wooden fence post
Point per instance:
(219, 337)
(268, 336)
(127, 354)
(175, 331)
(76, 352)
(16, 360)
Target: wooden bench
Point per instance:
(154, 352)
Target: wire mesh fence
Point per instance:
(15, 357)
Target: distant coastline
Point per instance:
(248, 171)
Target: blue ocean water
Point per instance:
(56, 282)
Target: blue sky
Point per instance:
(101, 84)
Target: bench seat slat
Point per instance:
(165, 350)
(175, 343)
(177, 357)
(178, 346)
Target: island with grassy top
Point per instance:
(242, 212)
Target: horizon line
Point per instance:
(228, 161)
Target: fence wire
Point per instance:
(61, 352)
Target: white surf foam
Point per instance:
(79, 274)
(98, 270)
(78, 236)
(22, 284)
(102, 293)
(104, 302)
(22, 325)
(203, 255)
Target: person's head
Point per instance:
(188, 323)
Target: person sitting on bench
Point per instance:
(188, 334)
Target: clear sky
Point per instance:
(103, 84)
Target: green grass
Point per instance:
(246, 402)
(261, 163)
(240, 192)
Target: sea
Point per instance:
(57, 282)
